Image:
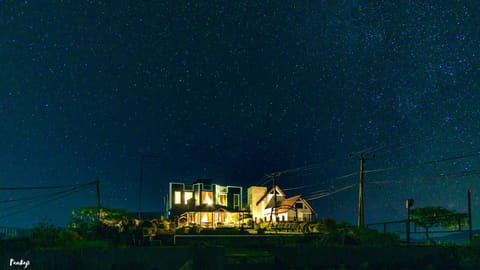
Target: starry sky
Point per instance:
(235, 90)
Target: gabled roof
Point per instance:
(284, 203)
(308, 206)
(288, 203)
(275, 188)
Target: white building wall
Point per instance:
(255, 194)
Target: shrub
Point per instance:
(45, 235)
(368, 237)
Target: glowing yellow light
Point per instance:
(204, 218)
(228, 219)
(188, 196)
(208, 199)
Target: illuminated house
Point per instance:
(273, 205)
(205, 204)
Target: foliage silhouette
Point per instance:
(437, 216)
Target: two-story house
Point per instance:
(205, 204)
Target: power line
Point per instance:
(298, 187)
(268, 177)
(369, 150)
(38, 199)
(48, 187)
(331, 192)
(28, 203)
(323, 182)
(392, 147)
(31, 198)
(423, 179)
(314, 166)
(39, 202)
(466, 155)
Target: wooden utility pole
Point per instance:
(408, 205)
(99, 205)
(274, 198)
(469, 199)
(97, 183)
(361, 211)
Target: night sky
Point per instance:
(235, 90)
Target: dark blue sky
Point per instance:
(235, 90)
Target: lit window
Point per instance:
(178, 197)
(207, 198)
(222, 199)
(188, 196)
(236, 201)
(197, 198)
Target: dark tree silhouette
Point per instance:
(436, 216)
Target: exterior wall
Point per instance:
(254, 195)
(232, 193)
(283, 217)
(178, 204)
(175, 187)
(299, 215)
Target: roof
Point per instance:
(277, 188)
(203, 181)
(288, 203)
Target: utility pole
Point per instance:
(274, 188)
(99, 205)
(275, 197)
(408, 205)
(361, 211)
(97, 183)
(469, 201)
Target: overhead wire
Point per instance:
(28, 208)
(331, 192)
(11, 211)
(423, 179)
(313, 166)
(381, 147)
(322, 182)
(466, 155)
(30, 198)
(395, 146)
(47, 187)
(38, 200)
(369, 150)
(268, 177)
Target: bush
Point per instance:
(368, 237)
(221, 231)
(189, 230)
(45, 235)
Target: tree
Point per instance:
(436, 216)
(85, 221)
(93, 223)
